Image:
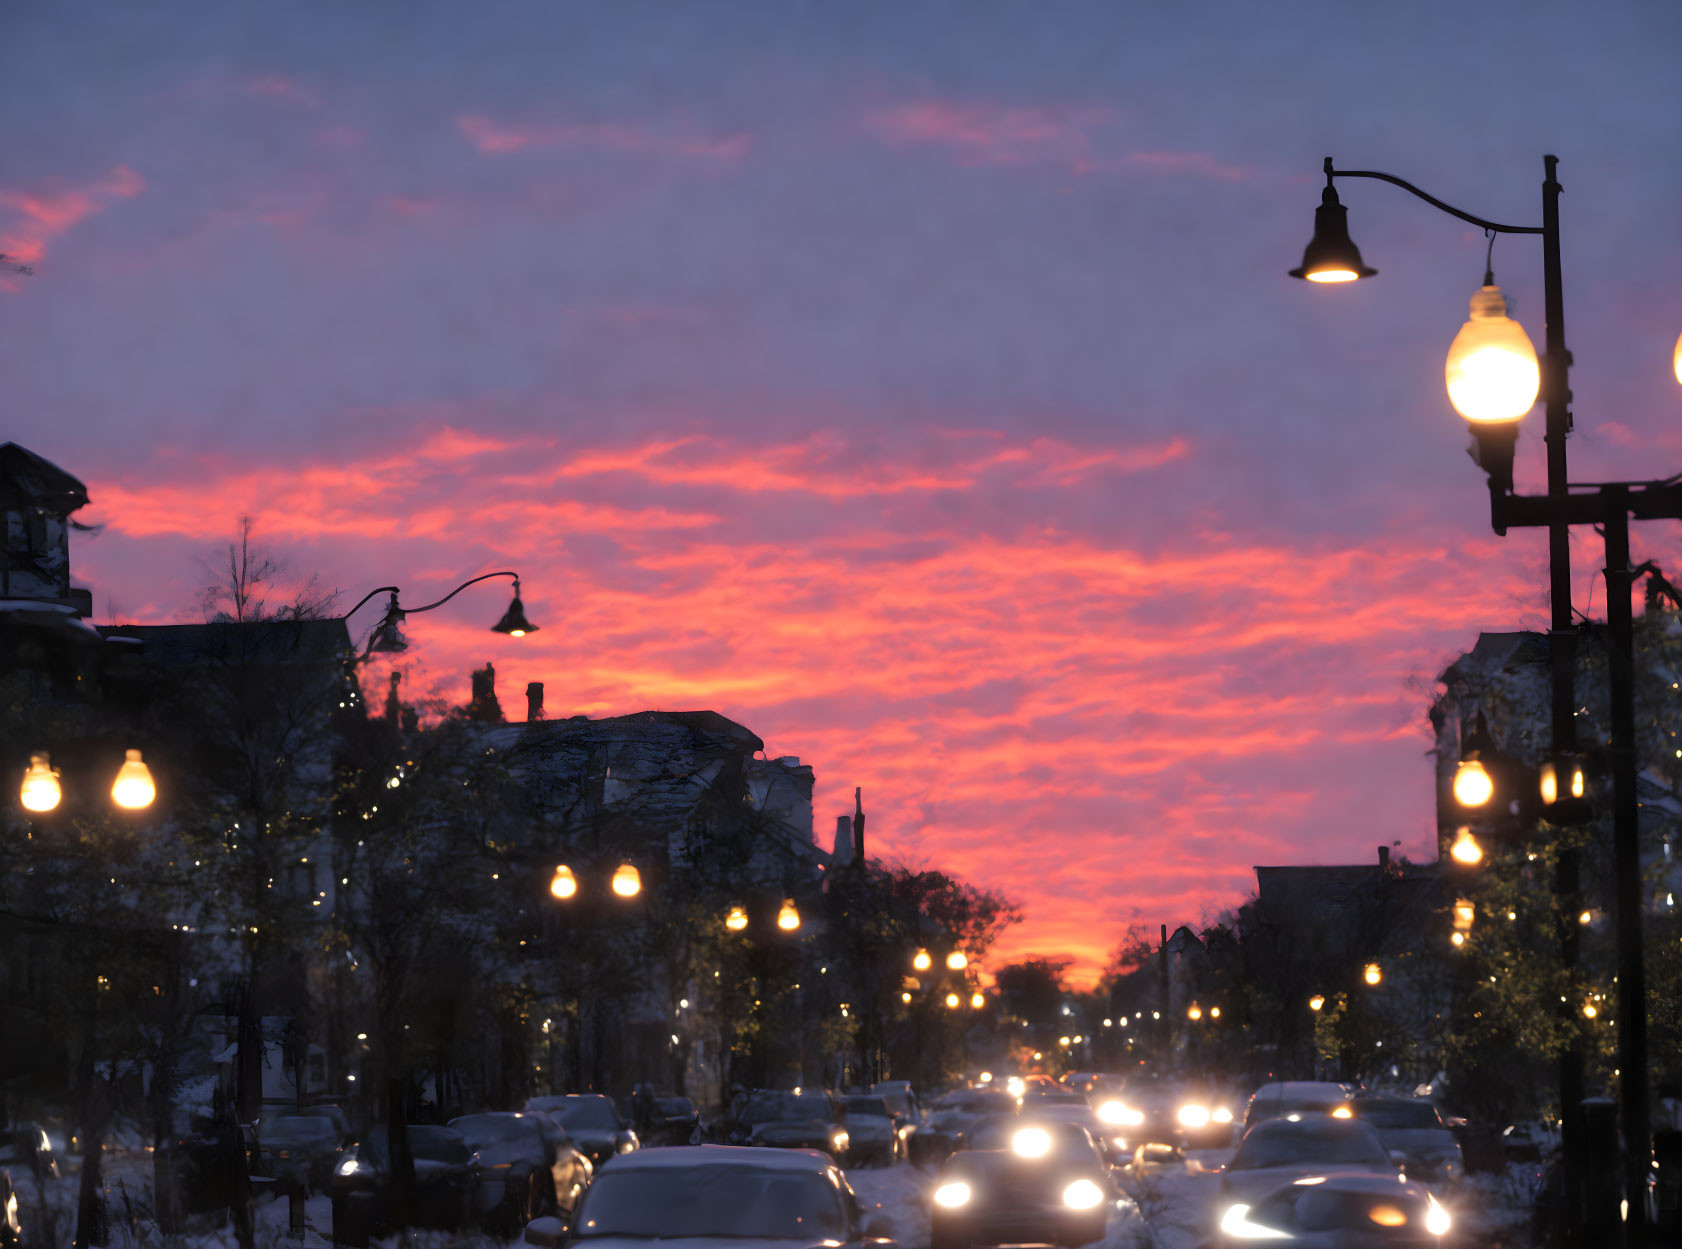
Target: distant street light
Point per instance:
(737, 919)
(1194, 1012)
(1317, 1001)
(977, 1000)
(1373, 973)
(957, 961)
(788, 917)
(627, 881)
(133, 789)
(565, 884)
(1465, 849)
(41, 791)
(921, 960)
(953, 1001)
(387, 636)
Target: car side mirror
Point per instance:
(546, 1232)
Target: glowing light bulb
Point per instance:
(41, 791)
(1472, 786)
(736, 920)
(565, 884)
(1465, 848)
(788, 918)
(133, 788)
(1491, 371)
(627, 881)
(957, 960)
(952, 1001)
(921, 960)
(1317, 1001)
(1373, 973)
(977, 1000)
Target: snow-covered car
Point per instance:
(954, 1116)
(874, 1133)
(297, 1150)
(1412, 1127)
(708, 1196)
(1024, 1182)
(1340, 1212)
(1279, 1151)
(445, 1183)
(901, 1099)
(1303, 1098)
(526, 1167)
(783, 1120)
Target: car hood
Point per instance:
(1251, 1186)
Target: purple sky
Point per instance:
(917, 384)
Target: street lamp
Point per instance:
(1317, 1001)
(1608, 505)
(788, 916)
(1465, 849)
(957, 961)
(921, 960)
(387, 636)
(41, 790)
(132, 788)
(1373, 973)
(737, 919)
(565, 884)
(627, 881)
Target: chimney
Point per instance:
(534, 701)
(1384, 860)
(858, 825)
(843, 854)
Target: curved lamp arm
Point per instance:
(384, 589)
(1432, 200)
(483, 577)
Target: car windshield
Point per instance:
(1391, 1116)
(876, 1107)
(1068, 1141)
(728, 1201)
(297, 1129)
(1308, 1143)
(785, 1107)
(428, 1144)
(589, 1112)
(481, 1130)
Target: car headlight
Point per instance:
(1031, 1143)
(1082, 1195)
(1223, 1115)
(1343, 1112)
(1194, 1116)
(1120, 1113)
(1437, 1220)
(952, 1195)
(1016, 1086)
(350, 1166)
(838, 1140)
(1236, 1224)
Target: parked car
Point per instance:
(1412, 1127)
(1278, 1151)
(297, 1151)
(1295, 1097)
(676, 1122)
(526, 1167)
(11, 1226)
(901, 1099)
(954, 1116)
(1340, 1212)
(874, 1133)
(445, 1192)
(803, 1120)
(592, 1123)
(26, 1147)
(723, 1195)
(1024, 1181)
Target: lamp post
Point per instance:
(1493, 379)
(387, 636)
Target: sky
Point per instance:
(918, 385)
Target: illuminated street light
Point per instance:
(1464, 913)
(1472, 786)
(957, 961)
(1317, 1001)
(1194, 1012)
(788, 917)
(953, 1001)
(1373, 973)
(133, 789)
(1491, 371)
(921, 960)
(1214, 1012)
(41, 791)
(737, 919)
(627, 881)
(565, 884)
(977, 1000)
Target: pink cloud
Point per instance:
(496, 138)
(277, 87)
(40, 216)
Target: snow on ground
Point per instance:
(900, 1194)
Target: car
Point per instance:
(11, 1227)
(954, 1116)
(1412, 1127)
(1204, 1119)
(297, 1151)
(1076, 1110)
(592, 1123)
(25, 1145)
(1024, 1181)
(1295, 1097)
(675, 1122)
(901, 1099)
(1278, 1151)
(526, 1167)
(803, 1119)
(1340, 1212)
(711, 1195)
(445, 1192)
(1144, 1114)
(874, 1133)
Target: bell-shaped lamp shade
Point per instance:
(957, 960)
(737, 919)
(133, 789)
(1472, 786)
(1465, 849)
(1373, 974)
(921, 960)
(388, 636)
(1491, 371)
(627, 881)
(41, 790)
(1331, 256)
(514, 622)
(565, 884)
(788, 918)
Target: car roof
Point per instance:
(1310, 1089)
(677, 1156)
(1316, 1125)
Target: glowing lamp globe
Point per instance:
(133, 789)
(952, 1001)
(1465, 849)
(1317, 1001)
(627, 881)
(957, 960)
(1491, 372)
(41, 790)
(565, 884)
(788, 917)
(921, 960)
(977, 1001)
(1194, 1012)
(1472, 786)
(1373, 973)
(736, 920)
